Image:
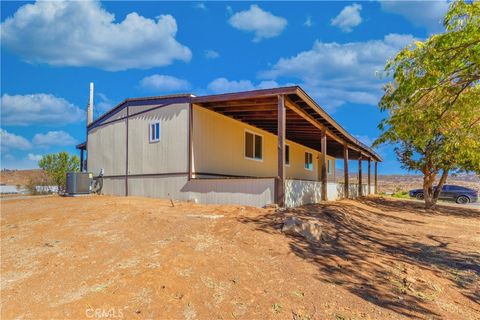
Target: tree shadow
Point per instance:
(370, 261)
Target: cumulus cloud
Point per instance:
(11, 141)
(223, 85)
(201, 6)
(164, 83)
(308, 22)
(53, 138)
(263, 23)
(82, 33)
(38, 108)
(34, 157)
(336, 73)
(348, 18)
(428, 14)
(211, 54)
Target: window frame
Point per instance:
(329, 166)
(245, 145)
(305, 163)
(150, 129)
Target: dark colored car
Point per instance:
(458, 194)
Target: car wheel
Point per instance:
(462, 200)
(419, 196)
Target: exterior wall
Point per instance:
(254, 192)
(218, 145)
(170, 154)
(300, 192)
(106, 147)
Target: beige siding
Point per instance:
(106, 147)
(218, 143)
(170, 154)
(120, 114)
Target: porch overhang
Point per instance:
(305, 119)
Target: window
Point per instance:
(253, 146)
(287, 155)
(154, 132)
(329, 166)
(308, 161)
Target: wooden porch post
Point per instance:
(368, 178)
(323, 143)
(345, 171)
(360, 191)
(280, 180)
(376, 177)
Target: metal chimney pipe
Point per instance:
(90, 106)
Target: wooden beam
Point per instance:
(360, 191)
(369, 174)
(345, 171)
(376, 177)
(323, 143)
(280, 181)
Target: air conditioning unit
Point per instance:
(79, 183)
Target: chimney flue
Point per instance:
(90, 106)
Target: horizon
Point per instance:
(336, 51)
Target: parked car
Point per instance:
(458, 194)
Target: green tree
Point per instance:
(57, 165)
(433, 102)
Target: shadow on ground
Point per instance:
(368, 253)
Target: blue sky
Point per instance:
(52, 50)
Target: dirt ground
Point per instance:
(105, 257)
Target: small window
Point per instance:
(287, 155)
(253, 146)
(308, 161)
(329, 166)
(155, 132)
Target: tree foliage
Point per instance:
(57, 165)
(433, 103)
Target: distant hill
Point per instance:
(404, 182)
(22, 177)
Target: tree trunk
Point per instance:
(428, 180)
(438, 190)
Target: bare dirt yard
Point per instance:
(105, 257)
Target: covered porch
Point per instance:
(289, 113)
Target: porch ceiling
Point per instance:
(261, 111)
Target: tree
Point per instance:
(433, 101)
(57, 165)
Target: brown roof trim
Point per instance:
(245, 94)
(82, 145)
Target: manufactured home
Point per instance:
(271, 146)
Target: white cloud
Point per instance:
(337, 73)
(211, 54)
(82, 33)
(201, 6)
(103, 104)
(308, 22)
(223, 85)
(38, 108)
(348, 18)
(34, 157)
(164, 83)
(262, 23)
(10, 141)
(53, 138)
(428, 14)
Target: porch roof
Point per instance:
(305, 119)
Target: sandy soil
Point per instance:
(133, 258)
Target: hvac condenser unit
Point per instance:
(79, 183)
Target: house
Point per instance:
(253, 148)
